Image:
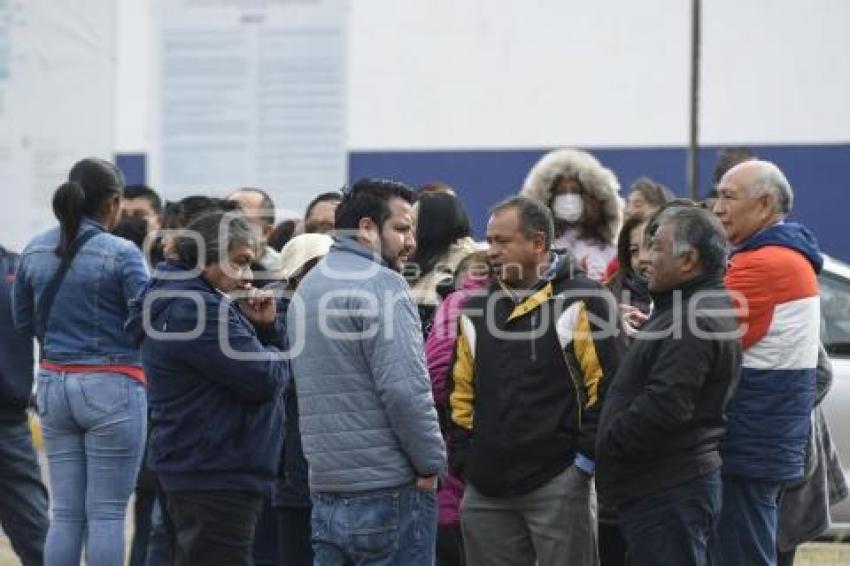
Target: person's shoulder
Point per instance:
(117, 244)
(770, 262)
(46, 239)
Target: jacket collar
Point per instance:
(687, 289)
(351, 245)
(788, 235)
(88, 221)
(527, 300)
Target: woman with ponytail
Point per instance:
(73, 285)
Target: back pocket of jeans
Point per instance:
(105, 392)
(373, 525)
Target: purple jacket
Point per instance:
(439, 351)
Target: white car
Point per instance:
(835, 334)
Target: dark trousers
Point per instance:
(142, 515)
(294, 534)
(23, 497)
(265, 549)
(672, 528)
(214, 527)
(612, 545)
(450, 546)
(746, 532)
(162, 540)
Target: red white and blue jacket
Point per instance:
(774, 272)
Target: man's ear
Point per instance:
(538, 242)
(768, 206)
(690, 261)
(367, 229)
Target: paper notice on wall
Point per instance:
(57, 84)
(251, 93)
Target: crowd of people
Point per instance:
(602, 380)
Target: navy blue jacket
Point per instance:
(16, 349)
(292, 489)
(217, 421)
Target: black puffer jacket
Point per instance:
(664, 416)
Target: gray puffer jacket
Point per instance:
(367, 416)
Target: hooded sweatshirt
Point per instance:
(774, 273)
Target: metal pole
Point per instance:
(693, 142)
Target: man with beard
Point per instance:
(368, 425)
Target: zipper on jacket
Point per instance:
(575, 386)
(533, 319)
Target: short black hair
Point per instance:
(183, 212)
(534, 217)
(282, 233)
(728, 157)
(145, 192)
(266, 203)
(330, 196)
(369, 198)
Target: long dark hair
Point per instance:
(441, 222)
(90, 183)
(624, 256)
(592, 224)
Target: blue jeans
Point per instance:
(746, 533)
(673, 527)
(23, 499)
(384, 527)
(94, 429)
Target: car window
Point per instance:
(835, 314)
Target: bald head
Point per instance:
(759, 178)
(750, 197)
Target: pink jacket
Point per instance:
(439, 351)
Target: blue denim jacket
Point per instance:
(86, 325)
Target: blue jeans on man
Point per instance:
(23, 497)
(673, 527)
(388, 527)
(746, 532)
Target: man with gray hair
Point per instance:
(773, 271)
(658, 456)
(215, 384)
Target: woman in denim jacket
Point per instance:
(90, 395)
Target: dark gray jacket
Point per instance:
(804, 511)
(366, 412)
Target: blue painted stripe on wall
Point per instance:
(133, 165)
(820, 175)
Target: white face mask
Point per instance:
(568, 207)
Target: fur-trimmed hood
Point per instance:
(599, 181)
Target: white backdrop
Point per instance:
(443, 74)
(57, 103)
(249, 94)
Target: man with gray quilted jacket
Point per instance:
(369, 428)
